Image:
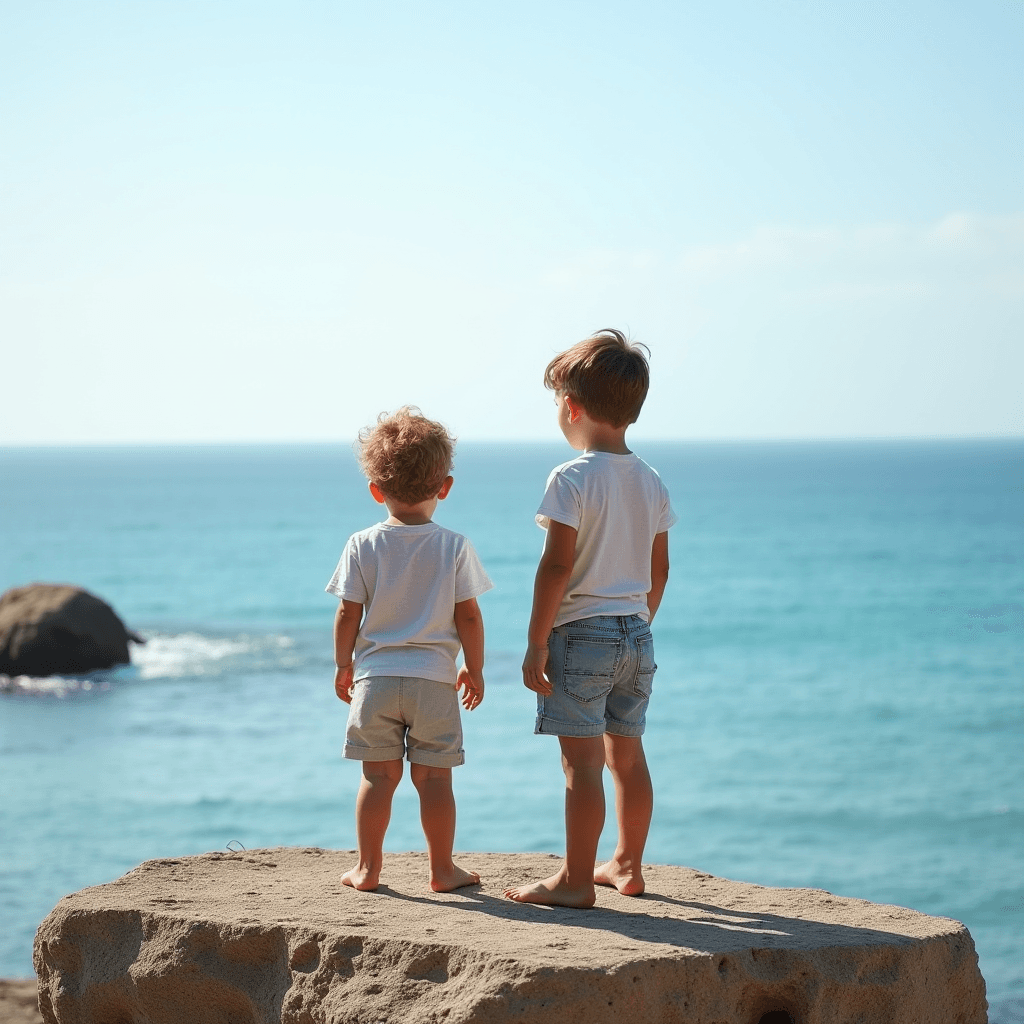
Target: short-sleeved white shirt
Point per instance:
(616, 504)
(409, 579)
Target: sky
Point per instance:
(270, 221)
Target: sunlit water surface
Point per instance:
(839, 700)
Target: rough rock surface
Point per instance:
(273, 935)
(49, 629)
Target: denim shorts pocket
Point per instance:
(644, 681)
(590, 664)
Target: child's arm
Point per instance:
(659, 573)
(469, 624)
(346, 628)
(548, 589)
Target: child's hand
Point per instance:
(472, 686)
(534, 665)
(343, 683)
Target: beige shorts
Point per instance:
(397, 716)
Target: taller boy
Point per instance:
(600, 580)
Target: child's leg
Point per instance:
(437, 815)
(373, 812)
(634, 804)
(573, 885)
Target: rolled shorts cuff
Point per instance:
(552, 727)
(614, 728)
(432, 760)
(358, 753)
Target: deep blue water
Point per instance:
(839, 702)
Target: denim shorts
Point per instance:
(601, 671)
(391, 717)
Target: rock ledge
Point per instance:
(273, 936)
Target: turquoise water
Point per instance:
(839, 703)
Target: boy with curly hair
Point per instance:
(601, 577)
(408, 590)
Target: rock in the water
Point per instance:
(50, 629)
(274, 936)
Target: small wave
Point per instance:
(999, 618)
(169, 656)
(1006, 1011)
(51, 686)
(185, 654)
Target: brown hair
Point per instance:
(406, 455)
(606, 373)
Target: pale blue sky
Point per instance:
(270, 221)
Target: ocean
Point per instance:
(839, 702)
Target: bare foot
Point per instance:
(456, 878)
(361, 878)
(629, 881)
(553, 892)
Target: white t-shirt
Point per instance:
(617, 504)
(409, 579)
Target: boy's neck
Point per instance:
(418, 514)
(602, 437)
(407, 517)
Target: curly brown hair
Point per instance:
(406, 455)
(606, 373)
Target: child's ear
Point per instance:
(575, 409)
(445, 488)
(378, 494)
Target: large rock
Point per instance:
(273, 935)
(49, 629)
